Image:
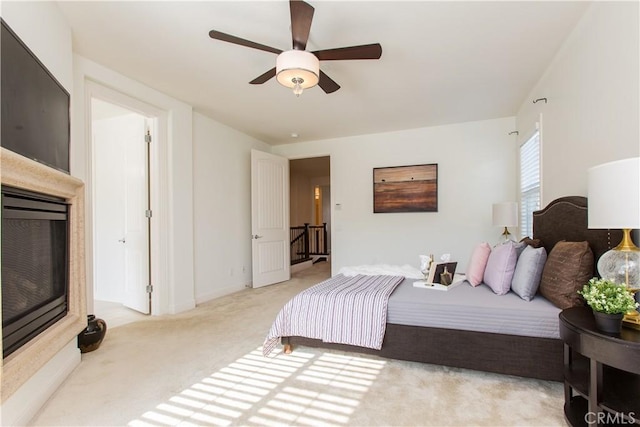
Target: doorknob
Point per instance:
(255, 236)
(123, 240)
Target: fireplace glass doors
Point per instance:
(35, 271)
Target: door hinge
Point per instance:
(148, 213)
(147, 137)
(149, 289)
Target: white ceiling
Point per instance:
(442, 62)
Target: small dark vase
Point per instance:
(610, 323)
(92, 336)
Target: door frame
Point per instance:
(158, 253)
(332, 207)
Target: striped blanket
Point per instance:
(345, 310)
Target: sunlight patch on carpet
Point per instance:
(347, 377)
(301, 388)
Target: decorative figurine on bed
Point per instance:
(437, 275)
(446, 277)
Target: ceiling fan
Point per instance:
(297, 68)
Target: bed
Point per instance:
(531, 349)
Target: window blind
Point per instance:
(529, 182)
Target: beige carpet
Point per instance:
(204, 367)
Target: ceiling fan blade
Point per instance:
(327, 84)
(242, 42)
(365, 51)
(301, 17)
(264, 77)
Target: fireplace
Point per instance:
(20, 173)
(35, 273)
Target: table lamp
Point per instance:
(614, 203)
(505, 215)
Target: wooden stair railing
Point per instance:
(307, 240)
(299, 237)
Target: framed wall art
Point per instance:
(405, 189)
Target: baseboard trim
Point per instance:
(301, 266)
(183, 306)
(25, 403)
(201, 299)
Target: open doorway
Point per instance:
(121, 211)
(310, 210)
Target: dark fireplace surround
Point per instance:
(68, 314)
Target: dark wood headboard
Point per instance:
(566, 219)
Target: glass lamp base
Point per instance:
(621, 266)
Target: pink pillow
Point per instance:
(477, 264)
(500, 268)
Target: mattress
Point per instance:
(465, 307)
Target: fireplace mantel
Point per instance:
(20, 172)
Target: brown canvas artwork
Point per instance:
(405, 189)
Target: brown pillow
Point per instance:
(568, 268)
(535, 243)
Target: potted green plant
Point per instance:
(609, 302)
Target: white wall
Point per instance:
(476, 167)
(43, 28)
(592, 86)
(222, 208)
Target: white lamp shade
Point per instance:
(505, 214)
(614, 194)
(297, 64)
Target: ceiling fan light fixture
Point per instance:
(298, 70)
(297, 88)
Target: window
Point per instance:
(529, 182)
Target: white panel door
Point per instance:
(269, 218)
(121, 251)
(136, 222)
(108, 221)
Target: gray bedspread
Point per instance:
(473, 309)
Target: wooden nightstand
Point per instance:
(601, 372)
